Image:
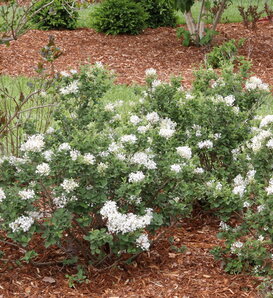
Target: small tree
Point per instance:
(197, 33)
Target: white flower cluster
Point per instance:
(114, 147)
(228, 100)
(64, 147)
(184, 151)
(199, 171)
(43, 169)
(150, 72)
(134, 119)
(235, 246)
(266, 120)
(136, 177)
(48, 155)
(224, 226)
(217, 185)
(205, 144)
(269, 189)
(131, 139)
(256, 83)
(142, 158)
(152, 117)
(167, 128)
(2, 195)
(176, 168)
(143, 242)
(155, 84)
(34, 143)
(256, 142)
(26, 194)
(61, 202)
(69, 185)
(21, 223)
(240, 183)
(124, 223)
(72, 88)
(144, 128)
(89, 158)
(74, 154)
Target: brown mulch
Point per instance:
(161, 272)
(130, 56)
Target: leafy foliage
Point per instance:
(119, 16)
(161, 13)
(57, 14)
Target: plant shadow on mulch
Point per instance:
(162, 271)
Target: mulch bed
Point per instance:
(161, 272)
(130, 56)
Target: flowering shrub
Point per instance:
(249, 244)
(101, 182)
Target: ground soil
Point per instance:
(130, 56)
(162, 272)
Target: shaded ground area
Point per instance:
(162, 272)
(130, 56)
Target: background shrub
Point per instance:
(161, 14)
(58, 15)
(119, 16)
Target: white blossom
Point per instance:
(2, 195)
(102, 166)
(74, 154)
(34, 143)
(50, 130)
(152, 117)
(43, 169)
(72, 88)
(48, 155)
(143, 128)
(134, 119)
(199, 171)
(142, 158)
(69, 185)
(21, 223)
(235, 246)
(269, 189)
(184, 151)
(89, 158)
(205, 144)
(246, 204)
(124, 223)
(64, 73)
(224, 226)
(167, 128)
(143, 242)
(64, 147)
(266, 120)
(110, 107)
(136, 177)
(256, 83)
(114, 147)
(26, 194)
(150, 72)
(131, 139)
(176, 168)
(260, 208)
